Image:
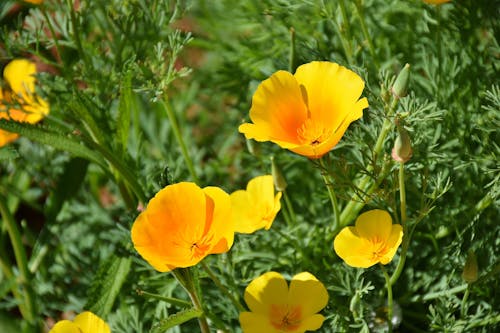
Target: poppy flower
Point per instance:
(256, 207)
(18, 101)
(373, 239)
(307, 112)
(276, 308)
(85, 322)
(183, 224)
(436, 2)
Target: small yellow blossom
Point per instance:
(373, 239)
(18, 101)
(275, 308)
(183, 224)
(308, 112)
(85, 322)
(256, 207)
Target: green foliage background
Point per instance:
(118, 67)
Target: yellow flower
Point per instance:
(85, 322)
(436, 2)
(276, 309)
(373, 239)
(256, 207)
(18, 101)
(183, 224)
(308, 112)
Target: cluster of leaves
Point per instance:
(118, 67)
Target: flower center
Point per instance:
(200, 247)
(379, 248)
(312, 133)
(286, 318)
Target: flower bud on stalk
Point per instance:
(402, 151)
(253, 147)
(400, 87)
(278, 179)
(469, 273)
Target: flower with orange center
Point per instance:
(85, 322)
(275, 308)
(307, 112)
(183, 224)
(373, 239)
(18, 101)
(436, 2)
(256, 207)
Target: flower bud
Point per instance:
(278, 179)
(252, 147)
(470, 272)
(400, 87)
(402, 150)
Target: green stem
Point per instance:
(331, 192)
(439, 294)
(389, 298)
(52, 32)
(221, 287)
(179, 138)
(463, 307)
(359, 11)
(170, 300)
(345, 40)
(28, 304)
(76, 33)
(289, 208)
(402, 194)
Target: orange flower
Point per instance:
(373, 239)
(18, 101)
(436, 2)
(256, 207)
(308, 112)
(183, 224)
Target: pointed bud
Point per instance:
(252, 147)
(278, 179)
(400, 87)
(402, 150)
(470, 272)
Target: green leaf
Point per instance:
(176, 319)
(107, 284)
(126, 104)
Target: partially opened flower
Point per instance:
(436, 2)
(307, 112)
(18, 101)
(85, 322)
(373, 239)
(275, 308)
(256, 207)
(183, 224)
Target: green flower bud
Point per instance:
(252, 147)
(470, 272)
(400, 87)
(278, 179)
(402, 151)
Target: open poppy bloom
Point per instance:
(183, 224)
(18, 101)
(373, 239)
(307, 112)
(436, 2)
(275, 308)
(85, 322)
(256, 207)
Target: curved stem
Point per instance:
(221, 287)
(389, 298)
(331, 192)
(359, 11)
(463, 306)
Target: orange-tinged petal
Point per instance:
(393, 243)
(256, 323)
(277, 111)
(222, 226)
(308, 293)
(374, 225)
(65, 326)
(269, 288)
(90, 323)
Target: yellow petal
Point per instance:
(277, 111)
(311, 323)
(269, 288)
(256, 323)
(243, 216)
(65, 326)
(222, 226)
(374, 225)
(277, 207)
(308, 293)
(332, 92)
(355, 251)
(19, 74)
(90, 323)
(393, 243)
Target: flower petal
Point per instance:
(222, 225)
(269, 288)
(308, 293)
(355, 251)
(243, 216)
(90, 323)
(256, 323)
(374, 225)
(19, 74)
(311, 323)
(65, 326)
(393, 243)
(277, 111)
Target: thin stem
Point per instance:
(331, 192)
(289, 208)
(402, 194)
(76, 33)
(463, 307)
(439, 294)
(389, 298)
(359, 11)
(221, 287)
(170, 300)
(179, 138)
(347, 38)
(52, 32)
(21, 260)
